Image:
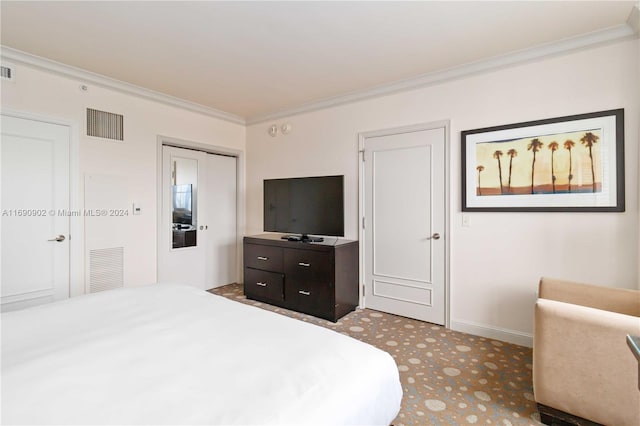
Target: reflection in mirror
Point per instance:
(183, 201)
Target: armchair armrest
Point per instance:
(581, 363)
(620, 300)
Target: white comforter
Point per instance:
(168, 354)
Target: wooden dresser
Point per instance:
(319, 279)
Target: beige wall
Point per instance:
(49, 95)
(638, 133)
(497, 261)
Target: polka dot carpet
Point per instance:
(448, 378)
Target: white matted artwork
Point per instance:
(563, 164)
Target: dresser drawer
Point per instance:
(307, 265)
(267, 258)
(311, 297)
(263, 285)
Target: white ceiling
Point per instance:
(253, 59)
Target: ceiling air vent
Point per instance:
(105, 125)
(7, 72)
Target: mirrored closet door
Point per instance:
(198, 237)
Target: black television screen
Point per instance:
(307, 205)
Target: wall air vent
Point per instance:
(105, 125)
(106, 269)
(7, 72)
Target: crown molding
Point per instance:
(626, 31)
(19, 57)
(617, 33)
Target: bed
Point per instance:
(172, 354)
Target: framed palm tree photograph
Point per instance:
(563, 164)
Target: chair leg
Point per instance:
(545, 418)
(553, 417)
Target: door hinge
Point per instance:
(362, 152)
(362, 222)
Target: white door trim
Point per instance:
(212, 149)
(76, 223)
(362, 137)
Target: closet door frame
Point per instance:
(240, 185)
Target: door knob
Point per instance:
(435, 236)
(59, 238)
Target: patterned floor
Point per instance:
(448, 378)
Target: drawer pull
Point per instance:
(306, 265)
(306, 293)
(264, 259)
(262, 284)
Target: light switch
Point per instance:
(465, 221)
(136, 209)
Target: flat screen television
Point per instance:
(305, 205)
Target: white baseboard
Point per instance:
(506, 335)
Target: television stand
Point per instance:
(303, 238)
(316, 279)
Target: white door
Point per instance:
(35, 196)
(198, 231)
(404, 208)
(182, 243)
(221, 202)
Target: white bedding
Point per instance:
(169, 354)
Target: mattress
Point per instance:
(172, 354)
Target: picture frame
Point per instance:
(564, 164)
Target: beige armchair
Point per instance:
(582, 365)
